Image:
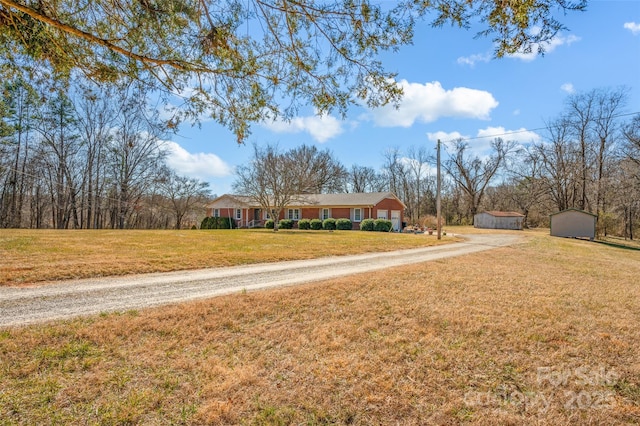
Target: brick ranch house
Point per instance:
(354, 206)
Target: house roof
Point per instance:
(357, 199)
(504, 214)
(574, 210)
(344, 200)
(239, 200)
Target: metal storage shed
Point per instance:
(498, 220)
(573, 223)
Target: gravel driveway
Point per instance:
(66, 299)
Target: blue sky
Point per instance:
(453, 88)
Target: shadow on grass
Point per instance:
(617, 245)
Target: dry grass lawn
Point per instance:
(545, 332)
(30, 256)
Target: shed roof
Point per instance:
(573, 209)
(504, 214)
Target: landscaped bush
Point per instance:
(205, 223)
(217, 223)
(315, 224)
(269, 224)
(367, 225)
(382, 225)
(329, 224)
(285, 224)
(343, 224)
(304, 224)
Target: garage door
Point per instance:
(396, 220)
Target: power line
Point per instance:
(515, 132)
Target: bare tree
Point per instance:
(183, 193)
(324, 172)
(135, 157)
(97, 114)
(272, 179)
(579, 117)
(628, 179)
(526, 185)
(17, 119)
(631, 144)
(418, 160)
(364, 179)
(560, 164)
(608, 105)
(472, 174)
(60, 148)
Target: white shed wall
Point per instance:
(487, 221)
(573, 224)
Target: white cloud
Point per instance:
(568, 87)
(548, 46)
(481, 143)
(521, 135)
(445, 137)
(321, 128)
(201, 165)
(473, 59)
(430, 101)
(634, 27)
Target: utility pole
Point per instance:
(438, 206)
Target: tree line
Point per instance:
(75, 156)
(79, 157)
(588, 158)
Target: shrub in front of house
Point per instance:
(304, 224)
(315, 224)
(367, 225)
(382, 225)
(343, 224)
(226, 223)
(217, 223)
(285, 224)
(269, 224)
(205, 223)
(329, 224)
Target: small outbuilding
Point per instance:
(498, 220)
(573, 223)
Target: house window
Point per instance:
(216, 212)
(357, 215)
(293, 214)
(238, 214)
(325, 214)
